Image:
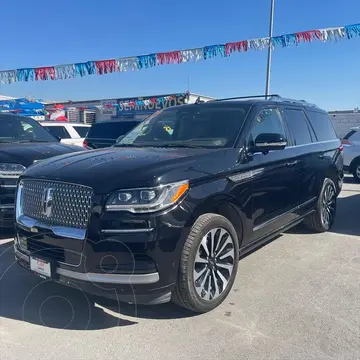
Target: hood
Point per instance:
(26, 153)
(113, 168)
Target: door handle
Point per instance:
(321, 156)
(292, 163)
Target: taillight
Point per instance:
(85, 144)
(346, 142)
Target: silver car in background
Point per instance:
(351, 144)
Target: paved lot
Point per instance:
(296, 298)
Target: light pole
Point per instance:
(268, 69)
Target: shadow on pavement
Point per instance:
(25, 297)
(350, 180)
(347, 217)
(158, 312)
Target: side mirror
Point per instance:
(58, 138)
(269, 141)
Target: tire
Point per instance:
(317, 221)
(356, 171)
(202, 293)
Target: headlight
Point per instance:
(11, 170)
(145, 200)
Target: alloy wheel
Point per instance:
(329, 205)
(214, 264)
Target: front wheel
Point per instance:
(208, 264)
(322, 219)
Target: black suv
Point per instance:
(165, 213)
(23, 141)
(105, 133)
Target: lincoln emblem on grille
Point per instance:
(47, 202)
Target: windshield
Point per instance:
(22, 129)
(200, 125)
(110, 130)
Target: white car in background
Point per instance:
(69, 133)
(351, 144)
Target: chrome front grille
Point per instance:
(70, 203)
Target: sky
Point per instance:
(40, 33)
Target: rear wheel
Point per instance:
(356, 171)
(208, 264)
(323, 218)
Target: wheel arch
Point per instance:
(225, 206)
(354, 161)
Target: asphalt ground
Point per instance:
(298, 297)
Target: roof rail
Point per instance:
(293, 101)
(248, 97)
(271, 97)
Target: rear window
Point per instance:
(111, 130)
(82, 130)
(349, 134)
(322, 125)
(58, 131)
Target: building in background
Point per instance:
(138, 108)
(344, 120)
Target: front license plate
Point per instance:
(41, 267)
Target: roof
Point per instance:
(251, 100)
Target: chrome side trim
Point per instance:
(101, 278)
(33, 224)
(8, 186)
(256, 228)
(246, 175)
(126, 231)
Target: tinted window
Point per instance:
(298, 126)
(17, 128)
(82, 130)
(355, 137)
(322, 126)
(111, 130)
(349, 134)
(59, 131)
(267, 121)
(201, 125)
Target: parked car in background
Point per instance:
(351, 143)
(23, 142)
(105, 133)
(69, 133)
(164, 213)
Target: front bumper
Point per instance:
(127, 257)
(112, 286)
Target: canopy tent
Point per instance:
(23, 107)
